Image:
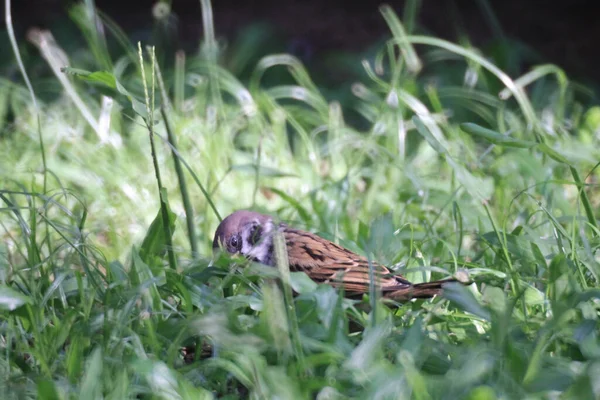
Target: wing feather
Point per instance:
(326, 262)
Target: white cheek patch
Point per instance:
(260, 251)
(246, 247)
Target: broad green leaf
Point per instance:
(518, 246)
(168, 384)
(108, 80)
(154, 244)
(481, 393)
(10, 299)
(464, 299)
(46, 390)
(301, 283)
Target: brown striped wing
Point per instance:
(324, 261)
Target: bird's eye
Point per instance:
(235, 244)
(255, 234)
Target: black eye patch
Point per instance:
(234, 244)
(255, 234)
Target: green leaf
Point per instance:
(478, 188)
(263, 171)
(110, 81)
(553, 154)
(482, 393)
(328, 309)
(74, 359)
(363, 234)
(167, 384)
(101, 77)
(274, 317)
(427, 135)
(464, 299)
(495, 299)
(365, 354)
(495, 137)
(588, 295)
(46, 390)
(301, 283)
(10, 299)
(305, 215)
(518, 246)
(91, 384)
(138, 106)
(147, 280)
(154, 244)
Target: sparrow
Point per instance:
(251, 235)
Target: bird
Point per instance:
(250, 234)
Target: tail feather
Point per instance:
(419, 291)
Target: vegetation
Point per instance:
(115, 171)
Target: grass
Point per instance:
(439, 162)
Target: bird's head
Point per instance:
(246, 233)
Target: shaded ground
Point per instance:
(565, 33)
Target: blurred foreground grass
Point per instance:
(438, 161)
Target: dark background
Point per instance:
(566, 33)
